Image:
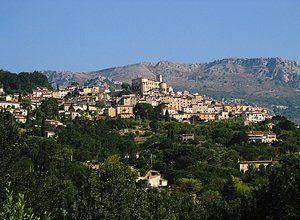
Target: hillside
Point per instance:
(23, 82)
(62, 78)
(273, 82)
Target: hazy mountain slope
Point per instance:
(271, 68)
(127, 73)
(270, 81)
(63, 78)
(67, 77)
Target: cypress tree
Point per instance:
(43, 127)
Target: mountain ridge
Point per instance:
(270, 81)
(271, 66)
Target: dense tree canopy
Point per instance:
(23, 82)
(203, 176)
(49, 108)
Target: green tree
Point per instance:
(239, 138)
(15, 208)
(75, 84)
(229, 189)
(158, 111)
(26, 103)
(49, 107)
(9, 144)
(279, 198)
(167, 116)
(144, 110)
(154, 125)
(20, 96)
(222, 135)
(24, 82)
(114, 190)
(100, 104)
(189, 185)
(125, 86)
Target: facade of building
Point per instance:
(20, 119)
(207, 116)
(6, 104)
(124, 111)
(186, 137)
(261, 137)
(246, 165)
(144, 85)
(111, 112)
(254, 117)
(153, 179)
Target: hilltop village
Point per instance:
(139, 147)
(85, 135)
(99, 103)
(179, 105)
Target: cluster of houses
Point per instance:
(180, 105)
(75, 100)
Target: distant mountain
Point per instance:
(63, 78)
(274, 82)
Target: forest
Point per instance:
(47, 178)
(23, 82)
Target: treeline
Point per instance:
(23, 82)
(204, 180)
(56, 185)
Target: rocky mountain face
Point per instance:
(63, 78)
(271, 68)
(273, 82)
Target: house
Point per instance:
(41, 92)
(75, 115)
(85, 91)
(8, 104)
(261, 137)
(254, 117)
(233, 108)
(92, 165)
(207, 116)
(127, 100)
(19, 111)
(187, 110)
(178, 117)
(21, 119)
(222, 115)
(124, 111)
(245, 165)
(49, 134)
(53, 122)
(144, 85)
(186, 137)
(152, 179)
(110, 112)
(171, 111)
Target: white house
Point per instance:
(153, 179)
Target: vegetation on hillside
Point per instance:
(204, 180)
(23, 82)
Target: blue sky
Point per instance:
(95, 34)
